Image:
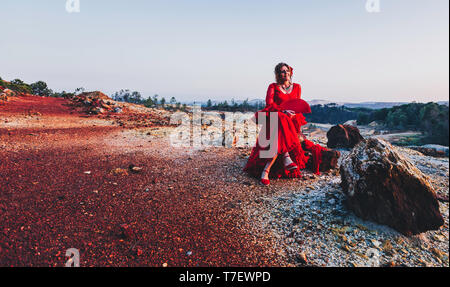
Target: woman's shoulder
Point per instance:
(275, 85)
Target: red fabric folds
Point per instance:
(289, 129)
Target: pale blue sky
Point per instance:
(196, 50)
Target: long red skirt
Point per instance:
(288, 141)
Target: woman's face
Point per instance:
(285, 74)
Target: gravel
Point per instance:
(310, 219)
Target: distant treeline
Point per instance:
(332, 114)
(233, 106)
(431, 119)
(39, 88)
(150, 102)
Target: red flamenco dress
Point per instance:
(289, 130)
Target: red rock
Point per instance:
(343, 136)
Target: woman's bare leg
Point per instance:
(266, 171)
(288, 163)
(287, 159)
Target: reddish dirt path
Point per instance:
(183, 209)
(25, 104)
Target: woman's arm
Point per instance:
(269, 97)
(299, 94)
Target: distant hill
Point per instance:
(374, 105)
(367, 105)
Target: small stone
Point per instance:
(387, 246)
(375, 243)
(301, 258)
(346, 248)
(404, 251)
(362, 255)
(362, 227)
(296, 220)
(436, 252)
(439, 238)
(389, 264)
(119, 171)
(135, 169)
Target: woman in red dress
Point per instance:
(290, 157)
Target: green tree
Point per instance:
(135, 98)
(363, 119)
(17, 82)
(40, 88)
(155, 99)
(18, 86)
(149, 102)
(245, 105)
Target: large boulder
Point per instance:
(343, 136)
(384, 187)
(95, 102)
(97, 95)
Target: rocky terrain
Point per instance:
(107, 182)
(310, 224)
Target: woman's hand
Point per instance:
(289, 113)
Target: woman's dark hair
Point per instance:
(278, 70)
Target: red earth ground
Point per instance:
(66, 183)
